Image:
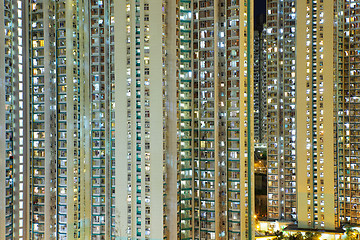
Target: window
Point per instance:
(147, 71)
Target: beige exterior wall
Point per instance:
(328, 119)
(126, 98)
(156, 118)
(85, 120)
(314, 96)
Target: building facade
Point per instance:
(317, 184)
(141, 129)
(315, 113)
(260, 84)
(14, 125)
(72, 126)
(328, 95)
(257, 87)
(215, 121)
(102, 116)
(301, 179)
(281, 129)
(263, 86)
(54, 110)
(346, 86)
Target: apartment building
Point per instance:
(216, 121)
(317, 185)
(281, 108)
(13, 124)
(54, 105)
(126, 119)
(315, 116)
(260, 85)
(139, 79)
(257, 86)
(346, 86)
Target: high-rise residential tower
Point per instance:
(101, 84)
(320, 189)
(346, 125)
(260, 84)
(56, 108)
(327, 101)
(215, 119)
(257, 86)
(329, 97)
(126, 119)
(139, 126)
(73, 96)
(281, 131)
(13, 124)
(315, 102)
(301, 190)
(263, 86)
